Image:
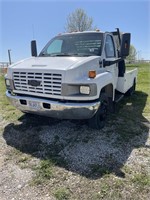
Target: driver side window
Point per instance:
(55, 47)
(109, 47)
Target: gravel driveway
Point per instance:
(79, 150)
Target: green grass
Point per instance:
(7, 111)
(131, 124)
(44, 172)
(141, 180)
(51, 172)
(143, 81)
(62, 194)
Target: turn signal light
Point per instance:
(92, 74)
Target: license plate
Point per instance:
(34, 104)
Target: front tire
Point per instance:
(99, 119)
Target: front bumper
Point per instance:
(54, 109)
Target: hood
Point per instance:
(55, 63)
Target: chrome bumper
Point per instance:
(54, 109)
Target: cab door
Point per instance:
(111, 55)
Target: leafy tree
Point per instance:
(132, 54)
(79, 21)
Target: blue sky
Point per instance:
(48, 17)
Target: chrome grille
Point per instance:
(50, 83)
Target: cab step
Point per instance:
(118, 97)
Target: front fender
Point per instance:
(102, 80)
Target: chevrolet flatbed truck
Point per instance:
(78, 75)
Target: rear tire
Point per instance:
(131, 91)
(99, 119)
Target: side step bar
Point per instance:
(118, 97)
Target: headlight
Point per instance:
(77, 90)
(7, 82)
(84, 89)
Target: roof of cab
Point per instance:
(81, 32)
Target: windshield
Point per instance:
(80, 44)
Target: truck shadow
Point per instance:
(72, 145)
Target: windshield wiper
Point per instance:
(56, 54)
(72, 54)
(82, 54)
(66, 54)
(62, 54)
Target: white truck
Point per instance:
(77, 75)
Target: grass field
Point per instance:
(71, 161)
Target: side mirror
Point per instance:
(33, 48)
(110, 62)
(125, 45)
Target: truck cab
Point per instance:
(77, 75)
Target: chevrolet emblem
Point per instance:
(34, 83)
